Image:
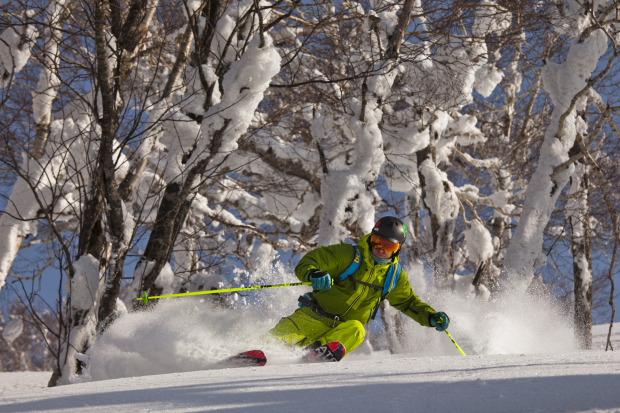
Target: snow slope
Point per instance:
(576, 382)
(567, 382)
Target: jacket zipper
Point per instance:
(361, 293)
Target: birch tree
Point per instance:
(582, 259)
(17, 219)
(569, 83)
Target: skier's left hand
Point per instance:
(439, 320)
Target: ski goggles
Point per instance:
(383, 244)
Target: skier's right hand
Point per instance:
(321, 280)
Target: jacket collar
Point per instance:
(364, 246)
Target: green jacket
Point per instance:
(353, 301)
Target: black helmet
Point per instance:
(392, 229)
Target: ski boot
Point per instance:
(318, 353)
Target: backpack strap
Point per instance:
(391, 279)
(354, 266)
(388, 285)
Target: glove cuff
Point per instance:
(318, 273)
(309, 276)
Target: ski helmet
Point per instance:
(392, 229)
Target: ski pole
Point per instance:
(145, 299)
(454, 342)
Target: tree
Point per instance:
(556, 165)
(108, 118)
(582, 257)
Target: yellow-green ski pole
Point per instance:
(145, 299)
(454, 342)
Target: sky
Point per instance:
(572, 381)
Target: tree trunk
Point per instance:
(440, 201)
(171, 215)
(104, 198)
(413, 212)
(394, 328)
(578, 218)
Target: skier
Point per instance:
(348, 284)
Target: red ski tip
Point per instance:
(247, 358)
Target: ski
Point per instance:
(245, 359)
(329, 352)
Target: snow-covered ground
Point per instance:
(578, 382)
(575, 381)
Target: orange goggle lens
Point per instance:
(381, 243)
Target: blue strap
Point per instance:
(390, 282)
(355, 264)
(391, 279)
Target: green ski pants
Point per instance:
(305, 327)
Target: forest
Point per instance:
(169, 146)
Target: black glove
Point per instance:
(321, 280)
(439, 320)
